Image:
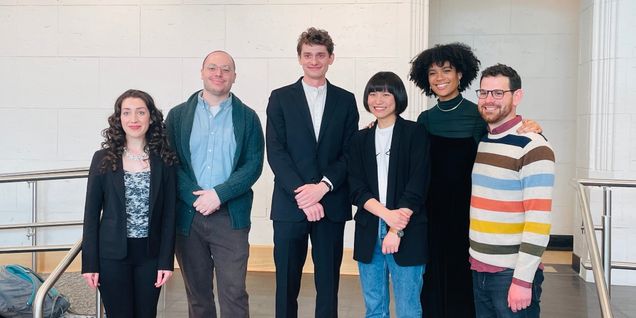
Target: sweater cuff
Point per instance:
(223, 192)
(521, 283)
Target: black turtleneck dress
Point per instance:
(454, 135)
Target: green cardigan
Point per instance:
(236, 192)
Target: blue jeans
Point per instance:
(491, 295)
(406, 280)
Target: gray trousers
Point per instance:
(214, 247)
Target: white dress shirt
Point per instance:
(316, 97)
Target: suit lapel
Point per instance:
(303, 108)
(330, 107)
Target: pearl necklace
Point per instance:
(134, 157)
(450, 109)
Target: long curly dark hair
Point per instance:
(115, 137)
(459, 55)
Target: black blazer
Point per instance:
(106, 238)
(408, 179)
(296, 158)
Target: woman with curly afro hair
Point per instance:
(129, 216)
(455, 128)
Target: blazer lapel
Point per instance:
(156, 171)
(372, 165)
(303, 108)
(393, 162)
(118, 184)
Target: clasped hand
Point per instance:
(391, 243)
(207, 202)
(399, 218)
(314, 213)
(310, 194)
(308, 198)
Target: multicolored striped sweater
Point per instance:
(512, 179)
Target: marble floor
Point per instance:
(565, 295)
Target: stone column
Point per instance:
(606, 122)
(419, 42)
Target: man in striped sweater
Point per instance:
(511, 201)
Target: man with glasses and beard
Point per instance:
(511, 201)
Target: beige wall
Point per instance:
(539, 39)
(63, 63)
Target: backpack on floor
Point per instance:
(18, 286)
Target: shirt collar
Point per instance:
(505, 126)
(224, 104)
(309, 88)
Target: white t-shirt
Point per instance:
(382, 154)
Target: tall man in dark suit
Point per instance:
(309, 124)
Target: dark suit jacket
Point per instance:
(408, 179)
(296, 158)
(106, 238)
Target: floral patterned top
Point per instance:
(137, 203)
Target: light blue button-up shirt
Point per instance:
(212, 143)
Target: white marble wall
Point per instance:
(606, 120)
(63, 63)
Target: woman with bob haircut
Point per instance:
(455, 128)
(128, 251)
(388, 172)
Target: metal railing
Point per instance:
(602, 265)
(38, 303)
(40, 296)
(32, 178)
(58, 174)
(33, 249)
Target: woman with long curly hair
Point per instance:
(455, 128)
(128, 252)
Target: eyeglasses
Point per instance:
(496, 93)
(224, 68)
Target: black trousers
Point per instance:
(290, 251)
(127, 286)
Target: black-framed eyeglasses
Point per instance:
(496, 93)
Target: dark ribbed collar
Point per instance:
(449, 104)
